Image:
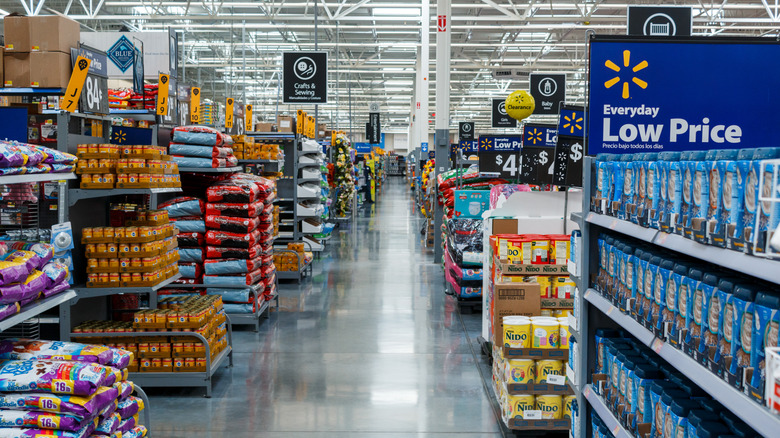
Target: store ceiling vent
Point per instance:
(508, 74)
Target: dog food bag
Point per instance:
(109, 424)
(136, 432)
(738, 327)
(75, 378)
(120, 359)
(231, 266)
(189, 224)
(191, 255)
(130, 407)
(190, 240)
(232, 224)
(216, 252)
(13, 271)
(197, 135)
(232, 240)
(183, 206)
(81, 407)
(766, 326)
(28, 349)
(128, 424)
(43, 420)
(124, 388)
(245, 210)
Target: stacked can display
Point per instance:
(239, 263)
(106, 166)
(67, 390)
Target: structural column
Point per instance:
(442, 137)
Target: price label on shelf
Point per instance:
(586, 391)
(661, 239)
(616, 430)
(657, 345)
(556, 380)
(532, 415)
(613, 225)
(610, 310)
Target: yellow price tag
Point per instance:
(301, 122)
(229, 113)
(248, 118)
(195, 105)
(70, 102)
(162, 95)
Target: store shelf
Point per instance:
(752, 413)
(91, 292)
(285, 135)
(308, 180)
(638, 330)
(75, 195)
(759, 267)
(257, 161)
(577, 218)
(34, 309)
(139, 112)
(604, 413)
(210, 169)
(36, 177)
(31, 91)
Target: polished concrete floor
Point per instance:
(370, 346)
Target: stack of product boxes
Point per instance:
(106, 166)
(287, 261)
(208, 113)
(532, 298)
(138, 250)
(157, 352)
(37, 50)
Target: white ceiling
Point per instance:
(373, 44)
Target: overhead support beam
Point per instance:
(352, 8)
(501, 9)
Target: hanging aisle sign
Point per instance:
(374, 129)
(569, 149)
(466, 131)
(500, 155)
(538, 153)
(660, 21)
(305, 77)
(195, 105)
(652, 95)
(500, 117)
(229, 113)
(548, 91)
(248, 118)
(70, 101)
(162, 95)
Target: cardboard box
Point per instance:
(53, 33)
(504, 226)
(16, 67)
(471, 203)
(322, 128)
(16, 31)
(264, 127)
(285, 124)
(514, 299)
(49, 69)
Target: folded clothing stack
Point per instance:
(201, 147)
(186, 213)
(27, 274)
(239, 241)
(65, 389)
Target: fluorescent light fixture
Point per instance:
(393, 12)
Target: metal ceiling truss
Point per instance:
(372, 43)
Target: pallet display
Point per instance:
(597, 310)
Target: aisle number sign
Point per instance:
(70, 102)
(229, 113)
(195, 105)
(162, 95)
(248, 118)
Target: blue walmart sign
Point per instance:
(121, 53)
(540, 135)
(498, 144)
(700, 94)
(571, 122)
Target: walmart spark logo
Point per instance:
(535, 136)
(120, 137)
(573, 122)
(486, 144)
(626, 62)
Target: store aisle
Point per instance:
(369, 347)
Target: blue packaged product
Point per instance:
(602, 336)
(614, 266)
(659, 292)
(736, 220)
(753, 207)
(631, 265)
(696, 416)
(642, 377)
(663, 166)
(769, 212)
(686, 298)
(655, 193)
(618, 172)
(662, 417)
(699, 310)
(676, 423)
(673, 288)
(650, 276)
(641, 282)
(602, 176)
(627, 165)
(689, 184)
(602, 256)
(711, 429)
(701, 189)
(713, 323)
(717, 183)
(737, 343)
(640, 185)
(191, 255)
(765, 333)
(658, 389)
(626, 251)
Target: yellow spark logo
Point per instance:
(120, 137)
(535, 136)
(573, 122)
(626, 62)
(486, 144)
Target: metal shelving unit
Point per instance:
(36, 177)
(34, 309)
(180, 379)
(593, 306)
(75, 195)
(240, 318)
(211, 169)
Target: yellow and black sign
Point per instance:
(229, 113)
(195, 105)
(248, 118)
(162, 95)
(301, 122)
(70, 102)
